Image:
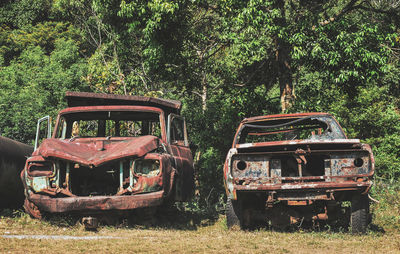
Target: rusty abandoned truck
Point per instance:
(109, 153)
(284, 169)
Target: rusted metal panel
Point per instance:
(13, 155)
(327, 186)
(300, 142)
(286, 116)
(69, 204)
(256, 167)
(87, 152)
(185, 172)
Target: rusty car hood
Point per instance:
(292, 145)
(300, 142)
(98, 151)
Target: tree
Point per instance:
(22, 13)
(290, 27)
(35, 81)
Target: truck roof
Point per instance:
(78, 99)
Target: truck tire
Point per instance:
(359, 214)
(233, 213)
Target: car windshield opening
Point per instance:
(323, 127)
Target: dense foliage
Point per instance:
(225, 60)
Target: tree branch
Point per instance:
(348, 8)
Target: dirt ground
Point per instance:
(182, 233)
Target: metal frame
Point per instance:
(48, 118)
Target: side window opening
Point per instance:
(177, 130)
(62, 130)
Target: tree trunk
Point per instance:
(283, 62)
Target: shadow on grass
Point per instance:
(6, 213)
(178, 218)
(376, 228)
(12, 213)
(19, 215)
(170, 217)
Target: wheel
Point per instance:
(359, 214)
(233, 213)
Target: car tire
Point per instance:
(233, 213)
(359, 214)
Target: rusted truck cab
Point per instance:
(297, 168)
(110, 153)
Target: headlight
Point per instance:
(241, 165)
(147, 168)
(41, 168)
(358, 162)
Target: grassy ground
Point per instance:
(190, 232)
(212, 237)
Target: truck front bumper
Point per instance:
(96, 203)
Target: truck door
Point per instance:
(177, 138)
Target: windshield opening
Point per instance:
(108, 124)
(323, 127)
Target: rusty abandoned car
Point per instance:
(296, 168)
(109, 153)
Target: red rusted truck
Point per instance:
(109, 153)
(296, 168)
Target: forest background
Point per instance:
(224, 59)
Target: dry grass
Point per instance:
(185, 233)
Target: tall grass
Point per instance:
(386, 211)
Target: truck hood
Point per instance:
(98, 151)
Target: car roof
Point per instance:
(283, 116)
